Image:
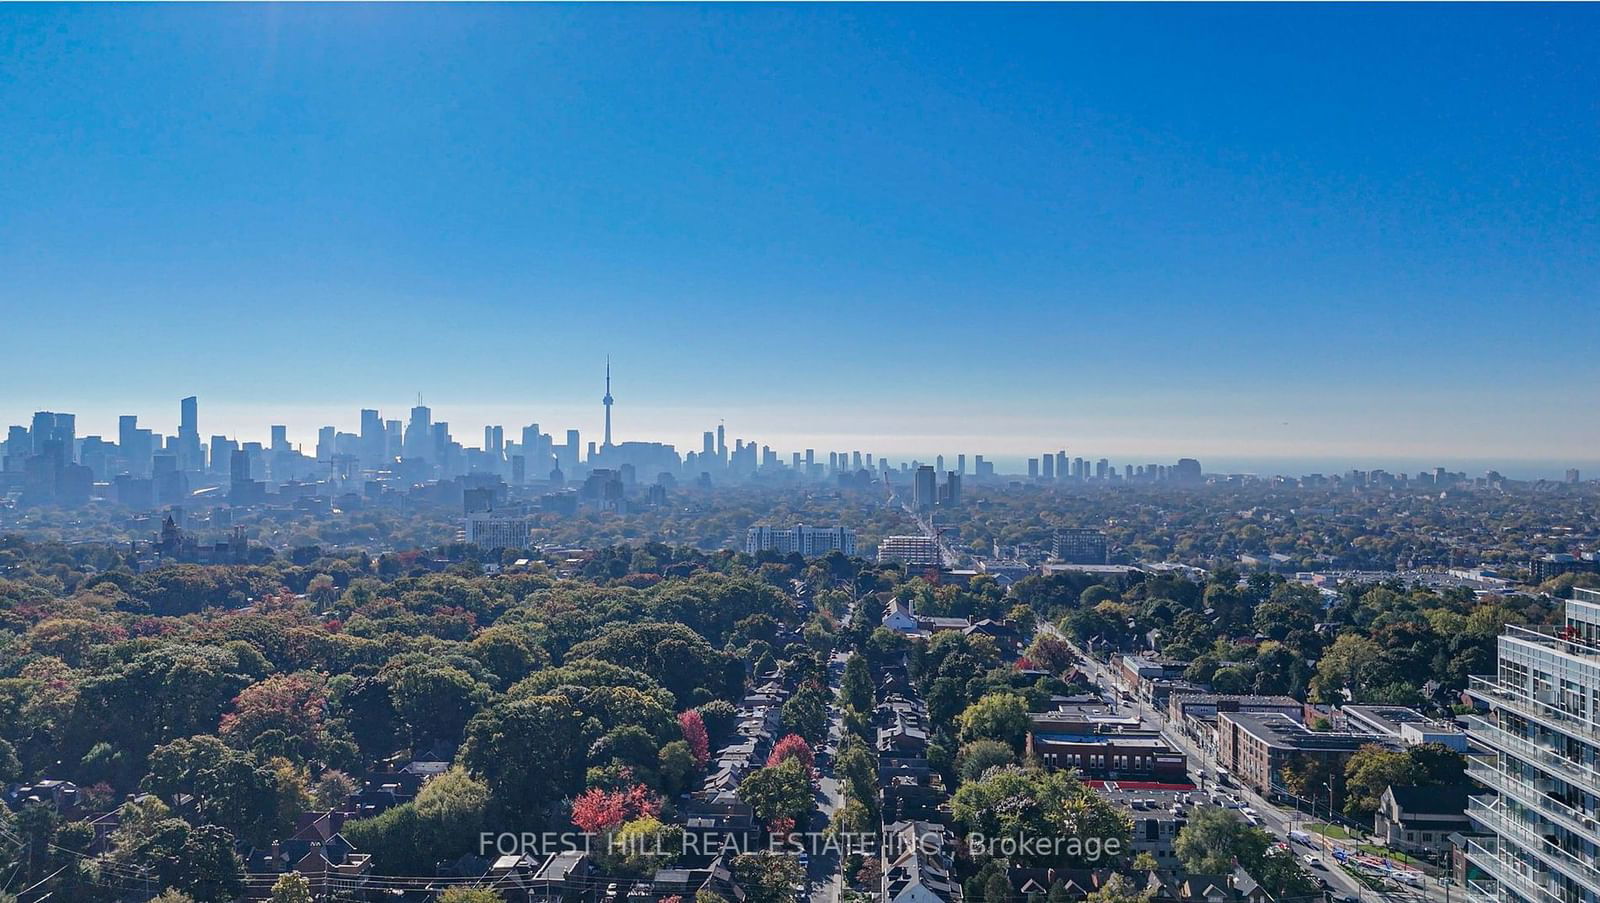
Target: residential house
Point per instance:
(1421, 819)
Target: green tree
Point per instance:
(1370, 771)
(1214, 838)
(780, 791)
(768, 877)
(856, 685)
(470, 895)
(980, 755)
(529, 751)
(1120, 889)
(997, 716)
(291, 888)
(1026, 803)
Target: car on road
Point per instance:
(1313, 860)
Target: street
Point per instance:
(1274, 819)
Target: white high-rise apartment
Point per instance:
(1542, 816)
(810, 542)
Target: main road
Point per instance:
(1273, 818)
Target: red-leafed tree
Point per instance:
(597, 811)
(793, 746)
(694, 733)
(292, 703)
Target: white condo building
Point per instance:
(810, 542)
(488, 530)
(1541, 817)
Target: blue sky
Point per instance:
(1241, 231)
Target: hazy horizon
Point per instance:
(682, 427)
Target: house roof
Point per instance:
(1435, 799)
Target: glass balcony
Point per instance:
(1483, 890)
(1546, 712)
(1509, 876)
(1502, 824)
(1575, 820)
(1534, 753)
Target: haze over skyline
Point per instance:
(1325, 233)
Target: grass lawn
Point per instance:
(1334, 831)
(1386, 853)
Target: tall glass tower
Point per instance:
(1541, 820)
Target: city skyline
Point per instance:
(1144, 232)
(301, 430)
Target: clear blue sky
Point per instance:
(1246, 231)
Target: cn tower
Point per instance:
(607, 401)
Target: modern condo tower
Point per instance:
(1543, 724)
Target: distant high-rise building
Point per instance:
(1061, 465)
(961, 465)
(570, 456)
(1048, 467)
(1572, 475)
(923, 490)
(491, 531)
(1079, 546)
(374, 437)
(912, 551)
(1033, 468)
(190, 457)
(950, 495)
(239, 466)
(419, 433)
(49, 426)
(809, 542)
(1187, 470)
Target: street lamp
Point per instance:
(1329, 825)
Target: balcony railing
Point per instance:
(1503, 824)
(1506, 873)
(1554, 637)
(1483, 890)
(1501, 696)
(1539, 755)
(1570, 817)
